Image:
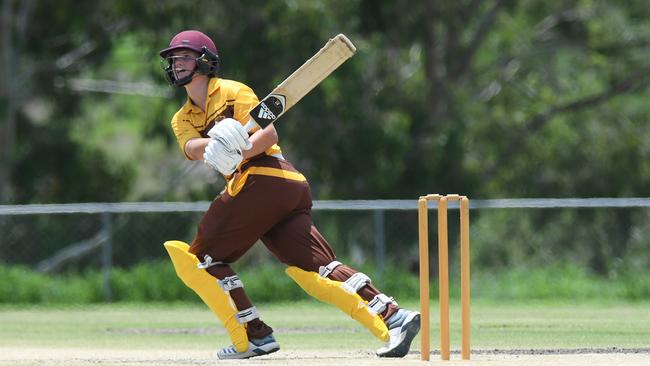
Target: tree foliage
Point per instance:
(492, 98)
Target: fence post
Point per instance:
(107, 255)
(380, 244)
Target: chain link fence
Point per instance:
(601, 234)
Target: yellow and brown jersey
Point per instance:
(226, 99)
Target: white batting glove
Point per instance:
(232, 132)
(222, 157)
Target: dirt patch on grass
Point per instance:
(76, 357)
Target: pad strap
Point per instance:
(356, 282)
(324, 271)
(208, 262)
(230, 283)
(379, 303)
(246, 315)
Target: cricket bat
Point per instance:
(335, 52)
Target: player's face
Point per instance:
(183, 62)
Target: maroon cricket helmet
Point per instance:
(191, 40)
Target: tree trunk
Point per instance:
(7, 102)
(437, 93)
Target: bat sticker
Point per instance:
(269, 109)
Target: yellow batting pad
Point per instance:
(208, 290)
(332, 292)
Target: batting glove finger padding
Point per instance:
(233, 132)
(222, 157)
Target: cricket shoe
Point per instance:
(403, 326)
(256, 347)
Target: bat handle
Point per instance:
(250, 125)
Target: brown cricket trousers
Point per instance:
(277, 211)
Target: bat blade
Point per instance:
(335, 52)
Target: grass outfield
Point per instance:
(309, 327)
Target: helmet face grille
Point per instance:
(208, 63)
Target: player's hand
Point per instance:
(232, 132)
(221, 156)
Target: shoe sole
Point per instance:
(261, 351)
(402, 349)
(275, 348)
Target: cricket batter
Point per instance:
(265, 198)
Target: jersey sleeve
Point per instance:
(184, 131)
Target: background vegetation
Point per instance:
(157, 282)
(490, 98)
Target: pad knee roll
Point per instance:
(342, 295)
(210, 290)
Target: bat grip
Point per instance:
(250, 125)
